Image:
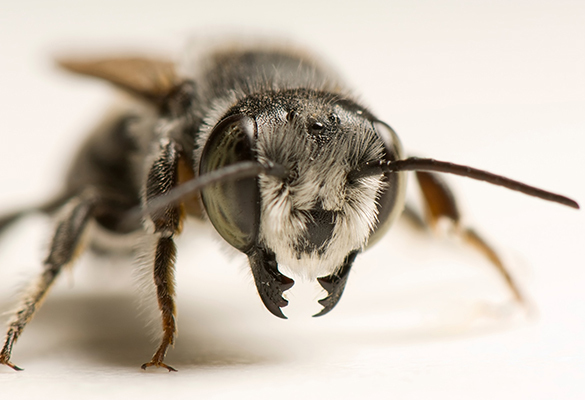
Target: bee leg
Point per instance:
(440, 203)
(64, 246)
(165, 291)
(162, 177)
(335, 284)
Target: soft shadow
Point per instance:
(109, 329)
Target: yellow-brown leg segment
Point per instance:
(165, 291)
(440, 203)
(162, 177)
(64, 246)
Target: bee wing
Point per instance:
(150, 78)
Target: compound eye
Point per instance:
(391, 200)
(233, 206)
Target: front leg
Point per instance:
(162, 177)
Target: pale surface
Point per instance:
(498, 86)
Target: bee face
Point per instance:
(312, 219)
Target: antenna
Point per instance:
(429, 164)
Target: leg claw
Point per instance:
(158, 365)
(11, 365)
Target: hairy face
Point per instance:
(316, 217)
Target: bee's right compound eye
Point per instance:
(233, 206)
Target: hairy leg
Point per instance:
(64, 246)
(162, 177)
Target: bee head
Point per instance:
(314, 217)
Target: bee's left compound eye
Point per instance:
(233, 206)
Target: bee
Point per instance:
(269, 146)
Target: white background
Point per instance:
(498, 85)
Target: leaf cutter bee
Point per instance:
(265, 143)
